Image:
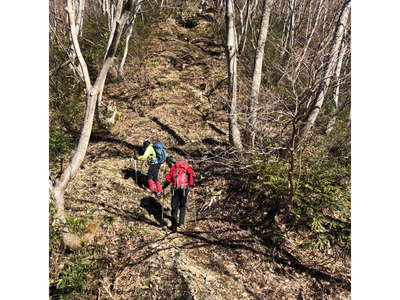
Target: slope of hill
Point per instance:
(173, 92)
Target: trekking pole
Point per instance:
(195, 209)
(162, 197)
(137, 183)
(162, 212)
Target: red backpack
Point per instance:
(181, 175)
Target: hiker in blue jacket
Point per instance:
(154, 186)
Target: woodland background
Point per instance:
(376, 143)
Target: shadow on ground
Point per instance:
(137, 176)
(155, 209)
(199, 239)
(169, 130)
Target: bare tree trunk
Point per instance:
(231, 54)
(258, 62)
(343, 50)
(79, 6)
(80, 13)
(309, 36)
(220, 5)
(128, 36)
(70, 171)
(251, 7)
(314, 111)
(335, 99)
(114, 15)
(120, 18)
(80, 151)
(244, 22)
(288, 38)
(104, 6)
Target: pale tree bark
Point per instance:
(126, 48)
(231, 54)
(298, 12)
(114, 15)
(127, 38)
(92, 92)
(342, 53)
(327, 27)
(105, 6)
(244, 21)
(79, 6)
(333, 59)
(249, 8)
(108, 8)
(258, 62)
(335, 99)
(80, 12)
(220, 4)
(308, 36)
(120, 19)
(288, 36)
(288, 39)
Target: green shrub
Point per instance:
(321, 204)
(60, 143)
(74, 274)
(77, 225)
(54, 231)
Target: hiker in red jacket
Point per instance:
(181, 176)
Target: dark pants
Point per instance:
(153, 172)
(178, 200)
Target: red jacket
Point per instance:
(171, 176)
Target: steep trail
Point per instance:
(164, 97)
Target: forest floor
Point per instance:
(168, 95)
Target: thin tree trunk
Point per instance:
(128, 37)
(251, 6)
(92, 93)
(79, 6)
(243, 26)
(112, 18)
(287, 40)
(343, 50)
(80, 14)
(335, 99)
(289, 32)
(314, 111)
(80, 151)
(74, 31)
(258, 62)
(291, 24)
(231, 54)
(309, 36)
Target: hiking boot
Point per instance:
(173, 228)
(159, 188)
(151, 186)
(148, 191)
